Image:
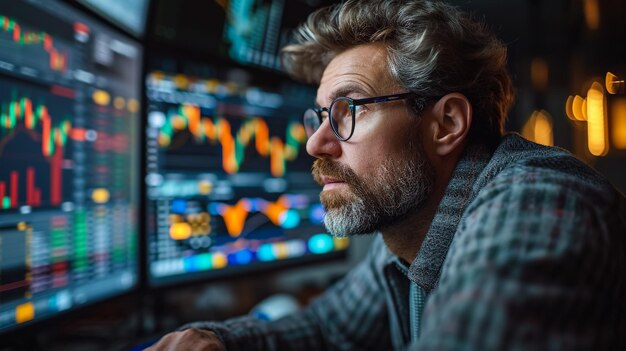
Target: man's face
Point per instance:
(380, 175)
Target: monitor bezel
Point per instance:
(110, 21)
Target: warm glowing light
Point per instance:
(614, 85)
(133, 105)
(592, 14)
(181, 81)
(219, 260)
(119, 103)
(101, 97)
(577, 108)
(212, 85)
(543, 128)
(538, 128)
(528, 130)
(341, 243)
(569, 111)
(618, 128)
(24, 312)
(597, 133)
(22, 226)
(539, 73)
(180, 231)
(205, 187)
(281, 251)
(100, 196)
(158, 75)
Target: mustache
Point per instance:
(324, 167)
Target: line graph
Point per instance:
(281, 212)
(253, 132)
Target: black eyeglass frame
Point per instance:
(352, 103)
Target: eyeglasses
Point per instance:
(342, 114)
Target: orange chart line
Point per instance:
(235, 215)
(233, 147)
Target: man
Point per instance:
(487, 241)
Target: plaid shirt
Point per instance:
(527, 251)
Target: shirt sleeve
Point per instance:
(351, 315)
(534, 265)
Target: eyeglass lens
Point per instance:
(311, 122)
(341, 117)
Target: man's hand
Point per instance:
(190, 339)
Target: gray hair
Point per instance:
(432, 49)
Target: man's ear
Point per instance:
(452, 121)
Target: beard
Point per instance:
(396, 189)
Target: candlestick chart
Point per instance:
(28, 46)
(35, 134)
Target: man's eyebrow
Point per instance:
(349, 89)
(346, 90)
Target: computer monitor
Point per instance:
(129, 15)
(250, 32)
(229, 186)
(69, 161)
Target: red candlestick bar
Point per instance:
(2, 192)
(45, 132)
(16, 33)
(55, 176)
(30, 186)
(37, 199)
(47, 42)
(14, 189)
(53, 59)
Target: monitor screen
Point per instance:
(250, 32)
(229, 187)
(130, 15)
(69, 114)
(253, 32)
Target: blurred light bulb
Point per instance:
(614, 85)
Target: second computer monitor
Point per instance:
(229, 186)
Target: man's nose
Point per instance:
(323, 143)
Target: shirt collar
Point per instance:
(426, 267)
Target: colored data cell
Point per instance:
(321, 243)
